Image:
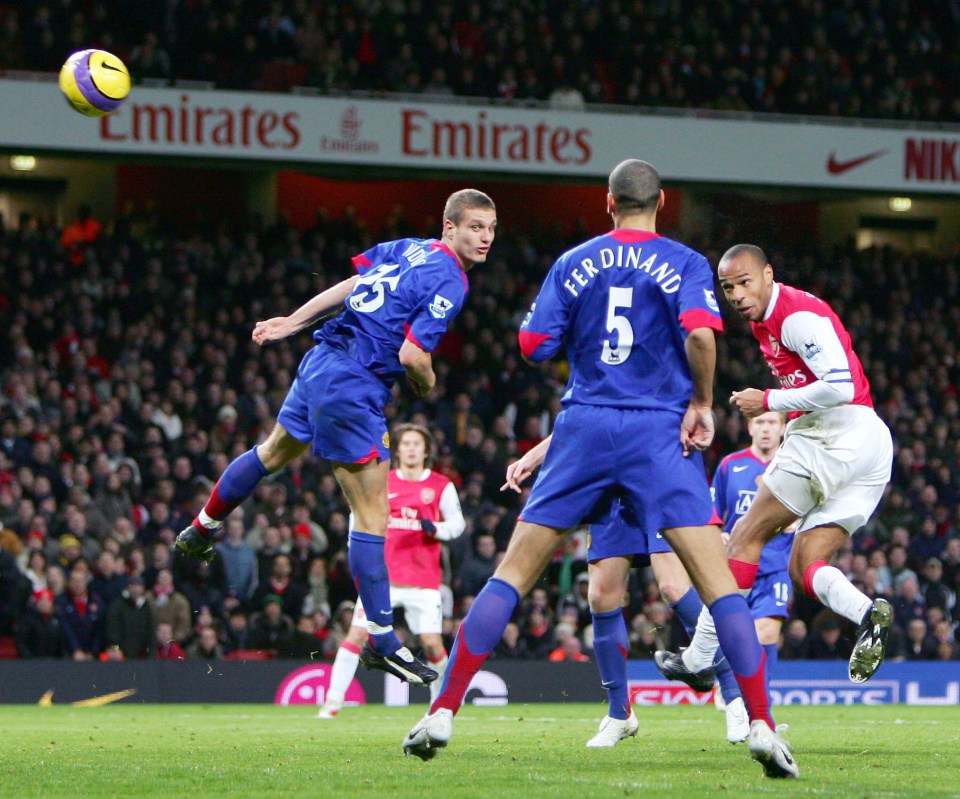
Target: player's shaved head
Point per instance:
(635, 186)
(739, 251)
(465, 200)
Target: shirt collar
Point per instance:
(774, 296)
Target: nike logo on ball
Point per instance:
(835, 167)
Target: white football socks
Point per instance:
(344, 667)
(703, 647)
(839, 594)
(440, 668)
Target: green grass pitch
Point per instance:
(527, 751)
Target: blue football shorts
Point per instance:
(599, 452)
(337, 406)
(770, 595)
(618, 535)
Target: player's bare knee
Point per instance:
(673, 590)
(604, 598)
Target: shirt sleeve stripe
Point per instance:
(698, 317)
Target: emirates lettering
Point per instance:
(932, 160)
(622, 257)
(187, 123)
(481, 139)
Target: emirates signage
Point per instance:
(294, 129)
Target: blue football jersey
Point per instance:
(734, 487)
(409, 288)
(623, 303)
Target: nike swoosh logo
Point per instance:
(392, 496)
(739, 468)
(835, 167)
(94, 701)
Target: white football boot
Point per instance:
(612, 731)
(771, 752)
(430, 735)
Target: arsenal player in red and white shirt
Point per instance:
(424, 510)
(830, 472)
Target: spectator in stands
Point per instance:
(171, 607)
(826, 642)
(149, 59)
(908, 603)
(237, 631)
(282, 584)
(167, 647)
(82, 616)
(131, 628)
(84, 231)
(271, 629)
(919, 645)
(39, 634)
(206, 646)
(239, 559)
(511, 646)
(936, 593)
(475, 572)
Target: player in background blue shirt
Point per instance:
(734, 486)
(397, 309)
(638, 317)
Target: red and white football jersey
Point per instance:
(413, 556)
(803, 340)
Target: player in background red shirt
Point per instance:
(424, 510)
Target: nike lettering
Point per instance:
(835, 167)
(739, 468)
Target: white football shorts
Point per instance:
(832, 467)
(421, 607)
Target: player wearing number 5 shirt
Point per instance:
(637, 315)
(830, 472)
(396, 311)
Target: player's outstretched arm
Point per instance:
(419, 366)
(280, 327)
(520, 470)
(697, 428)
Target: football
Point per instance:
(94, 82)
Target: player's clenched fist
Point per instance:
(272, 329)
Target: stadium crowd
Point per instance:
(884, 59)
(129, 380)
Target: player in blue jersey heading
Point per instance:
(398, 307)
(638, 316)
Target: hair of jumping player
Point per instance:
(465, 200)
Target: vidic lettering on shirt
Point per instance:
(415, 254)
(622, 258)
(440, 306)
